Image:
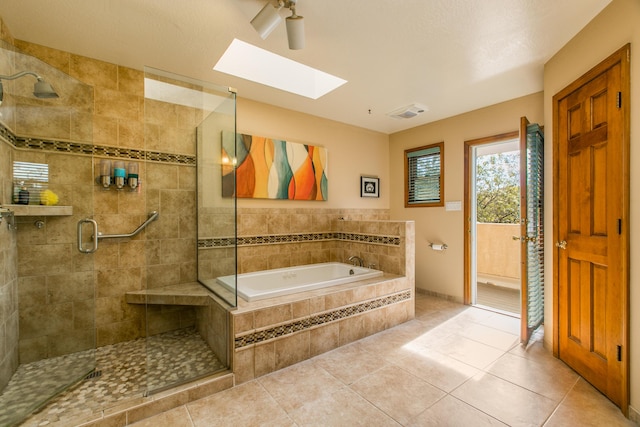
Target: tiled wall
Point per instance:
(57, 297)
(8, 284)
(276, 238)
(8, 256)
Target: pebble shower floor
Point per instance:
(121, 374)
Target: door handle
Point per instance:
(94, 226)
(562, 244)
(523, 238)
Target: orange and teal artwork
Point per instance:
(267, 168)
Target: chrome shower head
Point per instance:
(41, 89)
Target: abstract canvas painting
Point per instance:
(273, 169)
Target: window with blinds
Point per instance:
(424, 176)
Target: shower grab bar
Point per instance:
(152, 217)
(97, 235)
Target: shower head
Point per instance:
(41, 89)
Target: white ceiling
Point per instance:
(452, 56)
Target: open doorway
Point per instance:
(495, 225)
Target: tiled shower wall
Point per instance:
(8, 284)
(56, 294)
(8, 261)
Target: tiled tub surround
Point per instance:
(278, 238)
(274, 333)
(269, 338)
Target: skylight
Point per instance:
(167, 92)
(261, 66)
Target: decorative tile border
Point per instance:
(223, 242)
(92, 150)
(317, 320)
(370, 238)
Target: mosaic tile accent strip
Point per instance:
(222, 242)
(317, 320)
(93, 150)
(367, 238)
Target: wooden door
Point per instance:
(591, 189)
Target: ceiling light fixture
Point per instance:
(269, 18)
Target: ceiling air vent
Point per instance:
(408, 112)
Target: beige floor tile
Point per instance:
(586, 407)
(433, 334)
(300, 384)
(437, 369)
(349, 363)
(246, 404)
(178, 417)
(504, 323)
(342, 408)
(534, 350)
(451, 412)
(548, 377)
(390, 344)
(507, 402)
(474, 314)
(399, 394)
(467, 351)
(490, 336)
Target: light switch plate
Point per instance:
(453, 206)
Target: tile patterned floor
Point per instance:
(451, 366)
(127, 370)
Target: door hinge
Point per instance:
(619, 353)
(619, 226)
(619, 100)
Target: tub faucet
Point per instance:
(353, 259)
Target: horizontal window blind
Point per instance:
(424, 176)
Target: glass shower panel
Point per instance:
(52, 346)
(217, 248)
(187, 336)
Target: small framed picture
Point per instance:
(369, 187)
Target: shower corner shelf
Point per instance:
(40, 210)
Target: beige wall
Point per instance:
(614, 27)
(442, 272)
(352, 152)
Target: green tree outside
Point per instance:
(498, 188)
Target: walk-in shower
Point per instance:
(87, 332)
